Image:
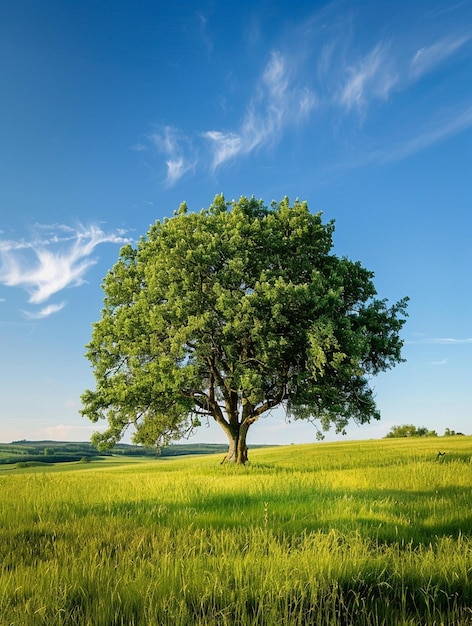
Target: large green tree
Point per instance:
(228, 313)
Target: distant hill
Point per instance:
(47, 451)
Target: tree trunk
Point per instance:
(237, 449)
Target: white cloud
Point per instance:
(279, 102)
(176, 168)
(448, 341)
(307, 101)
(275, 75)
(452, 123)
(53, 228)
(439, 363)
(65, 432)
(372, 78)
(175, 146)
(46, 266)
(7, 245)
(203, 32)
(321, 69)
(225, 146)
(428, 58)
(46, 311)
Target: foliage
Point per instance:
(452, 433)
(230, 313)
(410, 430)
(344, 534)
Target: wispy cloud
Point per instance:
(428, 58)
(451, 340)
(138, 147)
(372, 77)
(176, 148)
(44, 312)
(67, 432)
(449, 124)
(323, 72)
(445, 341)
(58, 259)
(280, 100)
(225, 146)
(203, 31)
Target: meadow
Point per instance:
(364, 533)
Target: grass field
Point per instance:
(369, 533)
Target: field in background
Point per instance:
(28, 453)
(368, 533)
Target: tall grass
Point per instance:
(368, 533)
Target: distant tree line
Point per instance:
(451, 433)
(410, 430)
(46, 451)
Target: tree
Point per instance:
(228, 313)
(410, 430)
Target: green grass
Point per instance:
(369, 533)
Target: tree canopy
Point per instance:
(410, 430)
(228, 313)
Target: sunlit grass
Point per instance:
(367, 533)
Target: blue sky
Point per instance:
(113, 113)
